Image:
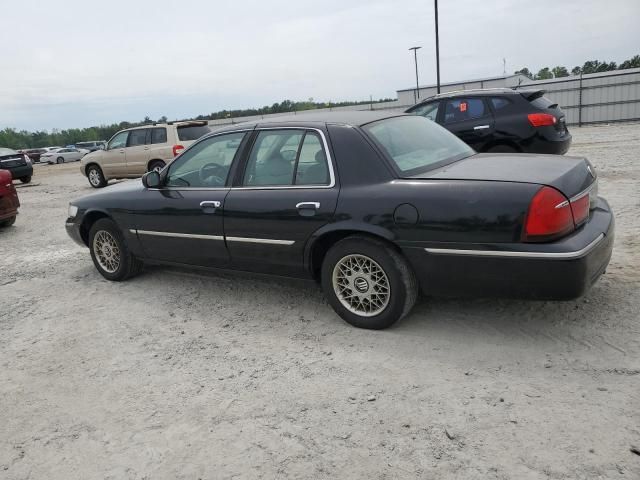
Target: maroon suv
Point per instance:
(9, 202)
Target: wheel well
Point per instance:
(323, 243)
(507, 143)
(88, 221)
(154, 160)
(86, 167)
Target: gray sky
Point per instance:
(73, 63)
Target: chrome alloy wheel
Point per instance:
(94, 177)
(106, 251)
(361, 285)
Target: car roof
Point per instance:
(483, 92)
(352, 118)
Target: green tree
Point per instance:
(560, 72)
(544, 74)
(633, 62)
(576, 71)
(524, 71)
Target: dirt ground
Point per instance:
(175, 375)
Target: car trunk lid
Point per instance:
(569, 175)
(12, 160)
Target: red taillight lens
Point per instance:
(549, 216)
(177, 150)
(542, 119)
(580, 208)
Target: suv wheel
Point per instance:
(156, 165)
(367, 283)
(110, 253)
(96, 177)
(26, 179)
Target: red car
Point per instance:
(9, 202)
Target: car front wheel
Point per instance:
(156, 165)
(25, 179)
(368, 283)
(96, 177)
(110, 253)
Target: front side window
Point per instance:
(415, 144)
(206, 164)
(137, 137)
(287, 157)
(429, 110)
(118, 141)
(462, 109)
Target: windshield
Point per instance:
(416, 144)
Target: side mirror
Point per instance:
(151, 179)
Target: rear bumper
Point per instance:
(560, 270)
(21, 171)
(548, 143)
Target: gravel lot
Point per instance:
(179, 375)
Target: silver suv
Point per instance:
(132, 152)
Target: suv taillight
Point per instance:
(549, 216)
(542, 119)
(177, 150)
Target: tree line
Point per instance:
(11, 138)
(590, 66)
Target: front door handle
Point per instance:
(314, 205)
(209, 206)
(481, 127)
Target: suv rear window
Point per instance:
(543, 103)
(192, 132)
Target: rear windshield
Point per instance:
(7, 151)
(192, 132)
(416, 144)
(543, 103)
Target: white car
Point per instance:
(62, 155)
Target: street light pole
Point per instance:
(415, 58)
(437, 49)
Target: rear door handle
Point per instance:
(481, 127)
(314, 205)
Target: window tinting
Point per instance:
(272, 158)
(312, 168)
(430, 110)
(138, 137)
(416, 144)
(543, 103)
(206, 164)
(192, 132)
(119, 141)
(499, 102)
(159, 135)
(462, 109)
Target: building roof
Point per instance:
(462, 82)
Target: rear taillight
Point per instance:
(549, 216)
(580, 208)
(542, 119)
(177, 150)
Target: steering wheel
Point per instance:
(212, 174)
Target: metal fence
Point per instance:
(595, 98)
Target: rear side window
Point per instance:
(192, 132)
(500, 103)
(461, 109)
(137, 137)
(430, 110)
(159, 135)
(543, 103)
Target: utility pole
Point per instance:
(416, 94)
(437, 49)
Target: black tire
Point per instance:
(127, 265)
(502, 149)
(8, 222)
(26, 179)
(96, 177)
(59, 160)
(156, 164)
(403, 287)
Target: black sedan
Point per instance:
(17, 163)
(500, 120)
(372, 205)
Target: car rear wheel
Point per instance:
(8, 222)
(59, 160)
(25, 179)
(156, 165)
(110, 253)
(368, 283)
(96, 177)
